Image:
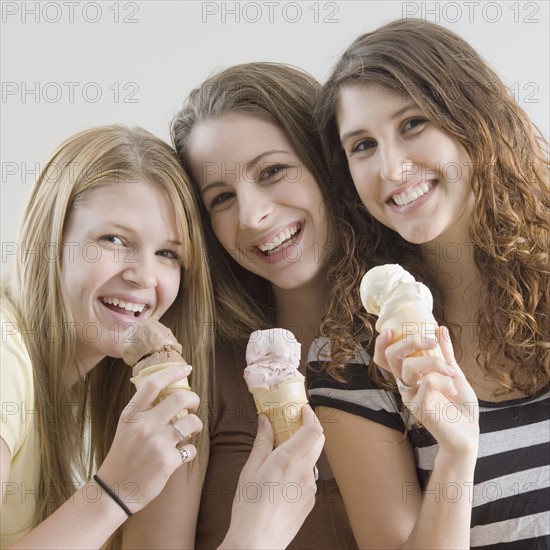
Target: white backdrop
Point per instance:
(68, 65)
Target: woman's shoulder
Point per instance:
(353, 390)
(353, 376)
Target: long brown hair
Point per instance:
(33, 294)
(509, 226)
(285, 96)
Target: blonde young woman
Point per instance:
(435, 161)
(247, 138)
(111, 220)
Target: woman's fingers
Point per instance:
(435, 382)
(152, 394)
(308, 441)
(263, 445)
(186, 453)
(186, 427)
(405, 360)
(149, 391)
(170, 406)
(413, 369)
(413, 346)
(448, 352)
(382, 342)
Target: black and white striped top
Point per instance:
(511, 492)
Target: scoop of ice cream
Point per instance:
(387, 289)
(149, 343)
(272, 356)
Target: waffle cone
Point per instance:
(146, 372)
(415, 319)
(283, 406)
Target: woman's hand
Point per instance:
(434, 390)
(148, 447)
(276, 489)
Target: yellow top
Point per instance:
(19, 430)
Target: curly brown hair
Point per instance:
(509, 226)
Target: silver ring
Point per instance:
(179, 432)
(184, 454)
(315, 472)
(402, 387)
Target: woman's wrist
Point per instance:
(461, 462)
(102, 502)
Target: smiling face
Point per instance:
(265, 207)
(120, 263)
(411, 175)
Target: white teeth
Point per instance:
(128, 306)
(283, 236)
(402, 199)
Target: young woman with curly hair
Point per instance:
(427, 147)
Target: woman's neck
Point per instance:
(300, 310)
(84, 363)
(451, 262)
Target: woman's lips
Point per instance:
(281, 252)
(415, 203)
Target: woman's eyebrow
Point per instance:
(410, 105)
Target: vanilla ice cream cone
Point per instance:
(412, 320)
(403, 305)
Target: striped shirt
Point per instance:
(510, 493)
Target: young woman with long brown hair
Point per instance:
(429, 150)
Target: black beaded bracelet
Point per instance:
(113, 495)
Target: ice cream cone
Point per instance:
(282, 405)
(412, 320)
(146, 372)
(402, 305)
(150, 348)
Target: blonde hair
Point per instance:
(285, 96)
(510, 223)
(95, 157)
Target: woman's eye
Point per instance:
(413, 123)
(272, 171)
(113, 239)
(170, 254)
(362, 145)
(221, 198)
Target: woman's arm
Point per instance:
(375, 467)
(276, 489)
(84, 521)
(142, 458)
(376, 472)
(170, 520)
